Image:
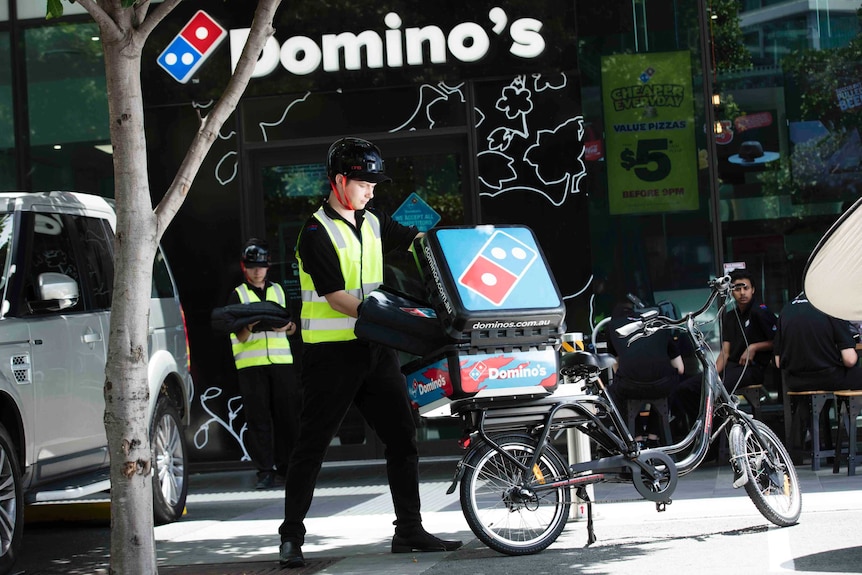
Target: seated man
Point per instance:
(815, 351)
(748, 330)
(647, 368)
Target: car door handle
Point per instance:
(91, 337)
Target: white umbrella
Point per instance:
(833, 276)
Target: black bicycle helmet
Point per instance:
(356, 159)
(255, 253)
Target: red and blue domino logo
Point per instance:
(191, 47)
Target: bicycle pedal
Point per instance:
(740, 479)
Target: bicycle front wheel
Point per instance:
(772, 482)
(507, 507)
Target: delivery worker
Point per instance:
(265, 375)
(340, 253)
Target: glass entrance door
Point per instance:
(289, 184)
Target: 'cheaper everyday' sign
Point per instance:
(649, 132)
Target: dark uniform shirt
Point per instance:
(742, 328)
(808, 340)
(319, 258)
(647, 359)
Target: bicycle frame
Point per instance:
(714, 399)
(508, 483)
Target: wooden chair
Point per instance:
(848, 405)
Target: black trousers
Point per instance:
(736, 376)
(334, 375)
(270, 402)
(623, 389)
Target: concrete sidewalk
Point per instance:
(231, 529)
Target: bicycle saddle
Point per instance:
(601, 361)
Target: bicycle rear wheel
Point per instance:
(505, 506)
(772, 482)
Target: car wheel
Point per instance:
(11, 503)
(170, 482)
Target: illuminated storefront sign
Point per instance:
(397, 46)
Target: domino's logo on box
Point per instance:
(191, 47)
(500, 264)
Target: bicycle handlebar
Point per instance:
(718, 287)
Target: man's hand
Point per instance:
(289, 328)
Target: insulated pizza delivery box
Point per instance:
(395, 319)
(456, 373)
(489, 280)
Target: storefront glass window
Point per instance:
(788, 155)
(790, 160)
(7, 118)
(68, 109)
(649, 210)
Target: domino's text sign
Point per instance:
(196, 42)
(498, 269)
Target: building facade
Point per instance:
(649, 144)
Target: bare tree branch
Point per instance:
(155, 17)
(141, 10)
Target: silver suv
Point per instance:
(56, 258)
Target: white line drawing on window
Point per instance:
(265, 125)
(225, 171)
(580, 291)
(201, 437)
(543, 82)
(500, 171)
(423, 116)
(223, 165)
(516, 102)
(546, 170)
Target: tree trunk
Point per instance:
(126, 388)
(124, 30)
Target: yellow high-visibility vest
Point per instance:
(362, 269)
(262, 347)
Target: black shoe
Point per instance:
(420, 540)
(265, 481)
(290, 555)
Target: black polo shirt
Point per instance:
(808, 340)
(741, 328)
(318, 254)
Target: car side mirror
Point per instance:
(57, 291)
